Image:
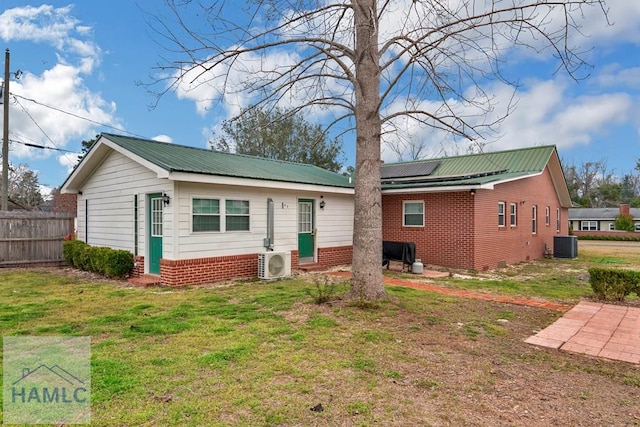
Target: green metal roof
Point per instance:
(181, 158)
(477, 169)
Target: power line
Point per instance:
(34, 122)
(44, 147)
(77, 116)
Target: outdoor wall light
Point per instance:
(165, 198)
(472, 191)
(322, 203)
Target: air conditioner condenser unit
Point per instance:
(272, 265)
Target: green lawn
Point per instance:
(257, 353)
(562, 280)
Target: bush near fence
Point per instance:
(614, 284)
(112, 263)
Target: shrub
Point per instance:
(119, 264)
(625, 222)
(613, 284)
(73, 252)
(325, 290)
(109, 262)
(610, 237)
(69, 249)
(99, 257)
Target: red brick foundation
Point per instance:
(200, 271)
(138, 266)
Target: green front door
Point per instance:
(155, 232)
(306, 231)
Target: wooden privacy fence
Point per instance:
(33, 237)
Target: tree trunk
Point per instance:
(366, 277)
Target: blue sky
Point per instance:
(85, 59)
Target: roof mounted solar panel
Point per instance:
(408, 170)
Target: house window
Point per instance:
(558, 220)
(612, 226)
(501, 214)
(237, 215)
(206, 215)
(413, 214)
(589, 225)
(534, 219)
(637, 226)
(547, 215)
(512, 214)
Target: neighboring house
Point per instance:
(600, 219)
(479, 211)
(195, 216)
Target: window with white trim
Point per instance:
(558, 220)
(547, 215)
(612, 226)
(637, 226)
(512, 214)
(413, 213)
(589, 225)
(501, 214)
(205, 215)
(237, 215)
(534, 219)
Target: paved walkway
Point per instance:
(463, 293)
(596, 329)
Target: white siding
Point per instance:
(109, 194)
(335, 221)
(334, 224)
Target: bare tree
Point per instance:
(367, 64)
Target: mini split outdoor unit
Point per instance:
(272, 265)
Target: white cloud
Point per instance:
(163, 138)
(68, 160)
(62, 88)
(230, 82)
(548, 114)
(613, 75)
(623, 17)
(47, 24)
(38, 116)
(39, 24)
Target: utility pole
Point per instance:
(5, 136)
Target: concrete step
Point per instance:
(146, 280)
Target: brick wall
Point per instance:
(207, 270)
(214, 269)
(446, 238)
(461, 230)
(65, 202)
(497, 246)
(331, 257)
(327, 257)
